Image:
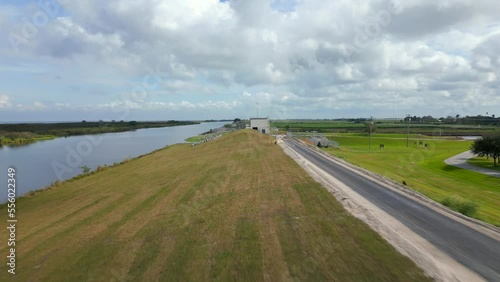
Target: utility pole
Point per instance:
(408, 117)
(393, 117)
(257, 109)
(370, 125)
(393, 102)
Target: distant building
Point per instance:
(260, 124)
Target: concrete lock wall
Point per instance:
(261, 125)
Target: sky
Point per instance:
(283, 59)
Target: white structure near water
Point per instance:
(260, 124)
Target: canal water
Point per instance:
(39, 164)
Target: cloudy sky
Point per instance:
(203, 59)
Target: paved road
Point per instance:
(460, 161)
(469, 247)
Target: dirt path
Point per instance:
(460, 161)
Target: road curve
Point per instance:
(471, 248)
(460, 161)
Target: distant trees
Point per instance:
(487, 146)
(424, 119)
(471, 120)
(428, 119)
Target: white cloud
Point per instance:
(39, 105)
(4, 101)
(295, 59)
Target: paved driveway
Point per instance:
(460, 161)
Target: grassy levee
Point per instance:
(198, 138)
(424, 170)
(233, 209)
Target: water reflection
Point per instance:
(41, 163)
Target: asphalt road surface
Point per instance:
(466, 245)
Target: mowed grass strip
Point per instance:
(423, 169)
(484, 163)
(233, 209)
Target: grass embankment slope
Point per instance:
(233, 209)
(424, 170)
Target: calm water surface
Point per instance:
(40, 164)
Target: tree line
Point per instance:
(457, 119)
(85, 127)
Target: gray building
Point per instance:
(261, 125)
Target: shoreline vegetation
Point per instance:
(25, 133)
(237, 124)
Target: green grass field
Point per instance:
(197, 138)
(423, 169)
(484, 163)
(233, 209)
(383, 126)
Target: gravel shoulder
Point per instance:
(460, 161)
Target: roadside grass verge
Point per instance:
(423, 169)
(461, 205)
(19, 141)
(484, 163)
(236, 208)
